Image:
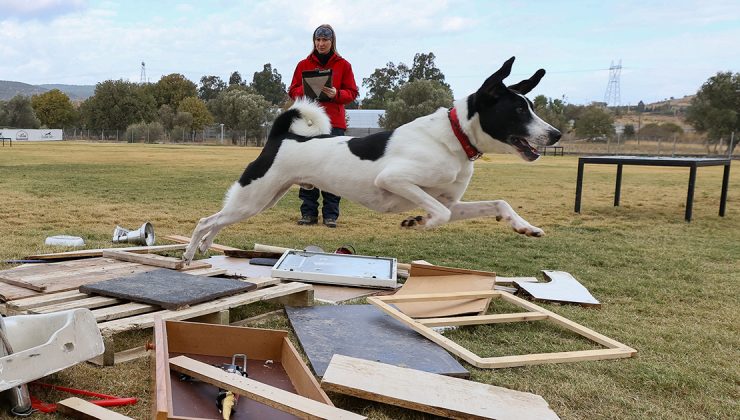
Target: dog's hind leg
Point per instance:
(498, 208)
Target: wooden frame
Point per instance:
(614, 349)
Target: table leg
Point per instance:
(723, 198)
(618, 186)
(579, 186)
(690, 193)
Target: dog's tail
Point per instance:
(305, 118)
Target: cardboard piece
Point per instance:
(435, 394)
(272, 360)
(365, 332)
(169, 289)
(437, 279)
(562, 287)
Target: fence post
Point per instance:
(674, 145)
(659, 139)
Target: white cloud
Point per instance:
(39, 9)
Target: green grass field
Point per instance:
(668, 288)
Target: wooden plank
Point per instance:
(558, 357)
(80, 409)
(45, 299)
(274, 397)
(37, 279)
(435, 394)
(147, 320)
(155, 260)
(482, 319)
(84, 253)
(88, 302)
(122, 311)
(162, 407)
(9, 292)
(186, 240)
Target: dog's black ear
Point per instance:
(525, 86)
(494, 85)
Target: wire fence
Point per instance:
(156, 134)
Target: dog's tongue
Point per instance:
(527, 152)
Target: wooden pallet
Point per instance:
(115, 316)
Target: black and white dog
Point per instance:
(425, 164)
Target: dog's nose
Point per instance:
(555, 136)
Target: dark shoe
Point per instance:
(308, 220)
(330, 223)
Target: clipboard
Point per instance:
(313, 81)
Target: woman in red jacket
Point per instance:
(343, 91)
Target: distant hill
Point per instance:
(9, 89)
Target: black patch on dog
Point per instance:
(472, 109)
(279, 132)
(370, 147)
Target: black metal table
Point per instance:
(7, 138)
(691, 162)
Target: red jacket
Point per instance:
(342, 79)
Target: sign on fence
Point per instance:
(32, 134)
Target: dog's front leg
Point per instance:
(498, 208)
(438, 214)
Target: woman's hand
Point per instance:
(329, 91)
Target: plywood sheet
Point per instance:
(169, 289)
(417, 285)
(430, 393)
(364, 331)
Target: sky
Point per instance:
(666, 48)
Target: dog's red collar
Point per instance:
(467, 146)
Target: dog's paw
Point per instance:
(413, 221)
(530, 230)
(188, 255)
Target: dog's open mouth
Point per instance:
(526, 151)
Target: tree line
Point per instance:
(177, 105)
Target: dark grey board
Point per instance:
(168, 288)
(365, 332)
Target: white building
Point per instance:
(362, 122)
